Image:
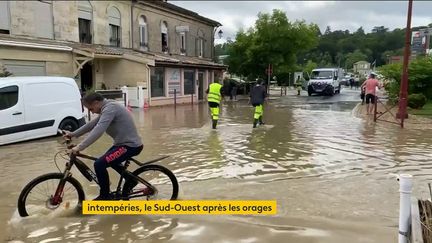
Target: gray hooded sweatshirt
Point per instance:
(116, 121)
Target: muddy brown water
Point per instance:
(331, 173)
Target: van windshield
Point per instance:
(322, 74)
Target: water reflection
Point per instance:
(308, 154)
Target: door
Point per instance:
(86, 77)
(200, 85)
(11, 113)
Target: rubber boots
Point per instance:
(214, 124)
(255, 122)
(261, 121)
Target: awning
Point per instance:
(185, 61)
(83, 53)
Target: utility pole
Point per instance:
(403, 94)
(269, 72)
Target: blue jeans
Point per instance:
(114, 158)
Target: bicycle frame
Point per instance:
(90, 175)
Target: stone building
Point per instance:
(110, 44)
(362, 68)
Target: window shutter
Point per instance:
(44, 18)
(4, 15)
(196, 47)
(141, 35)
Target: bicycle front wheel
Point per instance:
(159, 177)
(36, 197)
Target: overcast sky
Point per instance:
(339, 15)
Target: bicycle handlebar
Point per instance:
(68, 141)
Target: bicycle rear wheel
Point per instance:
(36, 196)
(159, 177)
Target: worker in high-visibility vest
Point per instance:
(299, 84)
(214, 98)
(257, 98)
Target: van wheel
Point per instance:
(69, 125)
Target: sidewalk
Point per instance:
(413, 121)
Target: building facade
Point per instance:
(109, 44)
(362, 68)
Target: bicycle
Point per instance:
(137, 184)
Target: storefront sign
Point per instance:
(173, 79)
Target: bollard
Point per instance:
(124, 99)
(192, 99)
(175, 98)
(405, 189)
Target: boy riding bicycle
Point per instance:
(115, 120)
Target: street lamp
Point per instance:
(220, 33)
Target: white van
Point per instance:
(34, 107)
(325, 81)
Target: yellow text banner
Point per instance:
(202, 207)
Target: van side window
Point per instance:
(8, 97)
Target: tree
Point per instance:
(354, 57)
(5, 73)
(310, 65)
(359, 32)
(379, 29)
(327, 31)
(273, 40)
(419, 79)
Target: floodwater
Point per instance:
(333, 175)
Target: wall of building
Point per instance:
(101, 25)
(113, 73)
(25, 20)
(58, 63)
(65, 20)
(181, 97)
(155, 16)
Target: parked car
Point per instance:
(34, 107)
(345, 80)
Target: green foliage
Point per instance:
(354, 57)
(416, 101)
(419, 77)
(310, 65)
(5, 73)
(221, 49)
(339, 45)
(273, 39)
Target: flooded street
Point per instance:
(331, 173)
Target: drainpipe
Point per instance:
(148, 84)
(132, 25)
(405, 189)
(213, 47)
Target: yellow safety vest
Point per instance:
(214, 93)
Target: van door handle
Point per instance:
(17, 113)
